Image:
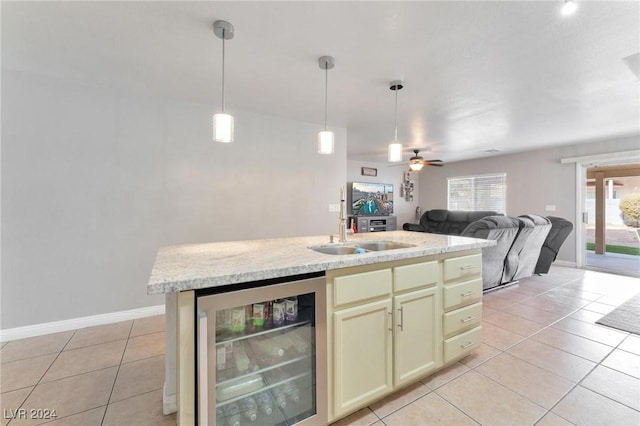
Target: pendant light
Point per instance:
(395, 148)
(325, 137)
(223, 122)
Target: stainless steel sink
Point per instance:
(383, 245)
(364, 246)
(335, 249)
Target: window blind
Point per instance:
(473, 193)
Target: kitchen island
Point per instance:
(434, 275)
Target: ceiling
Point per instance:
(504, 75)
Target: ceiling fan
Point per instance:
(417, 162)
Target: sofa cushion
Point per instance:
(437, 215)
(473, 216)
(525, 251)
(560, 230)
(501, 229)
(451, 222)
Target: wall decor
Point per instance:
(406, 190)
(368, 171)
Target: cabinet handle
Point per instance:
(391, 321)
(203, 379)
(467, 293)
(467, 319)
(469, 344)
(467, 267)
(401, 310)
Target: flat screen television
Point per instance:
(370, 199)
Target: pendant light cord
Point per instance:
(395, 138)
(326, 85)
(223, 37)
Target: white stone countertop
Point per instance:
(195, 266)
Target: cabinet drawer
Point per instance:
(414, 276)
(362, 286)
(462, 344)
(462, 294)
(462, 267)
(462, 319)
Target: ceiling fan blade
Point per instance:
(435, 164)
(433, 161)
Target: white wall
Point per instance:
(404, 210)
(94, 182)
(535, 179)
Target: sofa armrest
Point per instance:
(413, 227)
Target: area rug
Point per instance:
(625, 317)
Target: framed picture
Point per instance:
(368, 171)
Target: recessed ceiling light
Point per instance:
(569, 7)
(491, 150)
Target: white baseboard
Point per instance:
(169, 402)
(75, 323)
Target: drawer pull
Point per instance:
(467, 267)
(467, 319)
(468, 345)
(467, 293)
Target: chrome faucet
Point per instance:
(342, 225)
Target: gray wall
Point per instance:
(404, 210)
(94, 182)
(535, 179)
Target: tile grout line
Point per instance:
(504, 351)
(578, 384)
(575, 384)
(115, 380)
(44, 374)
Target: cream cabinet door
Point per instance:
(362, 355)
(417, 335)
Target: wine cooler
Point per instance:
(261, 354)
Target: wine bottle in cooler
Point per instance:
(219, 416)
(232, 412)
(292, 391)
(250, 408)
(279, 397)
(264, 400)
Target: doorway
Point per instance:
(612, 220)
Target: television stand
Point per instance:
(376, 223)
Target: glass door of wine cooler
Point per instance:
(262, 355)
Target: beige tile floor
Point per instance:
(543, 361)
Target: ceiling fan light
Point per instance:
(395, 152)
(569, 7)
(223, 128)
(325, 142)
(416, 166)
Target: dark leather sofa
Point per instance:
(450, 222)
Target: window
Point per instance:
(484, 192)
